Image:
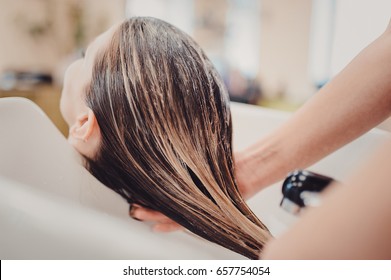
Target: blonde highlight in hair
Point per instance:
(166, 133)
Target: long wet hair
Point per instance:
(166, 134)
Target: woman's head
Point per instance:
(157, 117)
(84, 133)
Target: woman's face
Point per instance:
(76, 80)
(78, 76)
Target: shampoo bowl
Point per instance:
(52, 208)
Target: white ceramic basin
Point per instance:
(52, 208)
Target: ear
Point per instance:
(85, 126)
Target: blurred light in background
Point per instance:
(273, 53)
(357, 24)
(242, 39)
(177, 12)
(228, 31)
(340, 29)
(321, 40)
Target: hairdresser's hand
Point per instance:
(161, 222)
(261, 165)
(243, 177)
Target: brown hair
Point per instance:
(166, 133)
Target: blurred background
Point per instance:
(272, 53)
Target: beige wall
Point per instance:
(29, 43)
(285, 28)
(284, 35)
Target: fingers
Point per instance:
(162, 222)
(167, 227)
(143, 214)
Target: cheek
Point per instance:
(65, 99)
(64, 108)
(72, 88)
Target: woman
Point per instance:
(151, 116)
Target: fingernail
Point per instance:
(132, 210)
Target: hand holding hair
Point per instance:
(162, 222)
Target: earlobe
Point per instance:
(84, 126)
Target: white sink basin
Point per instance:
(52, 208)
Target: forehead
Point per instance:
(101, 41)
(96, 46)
